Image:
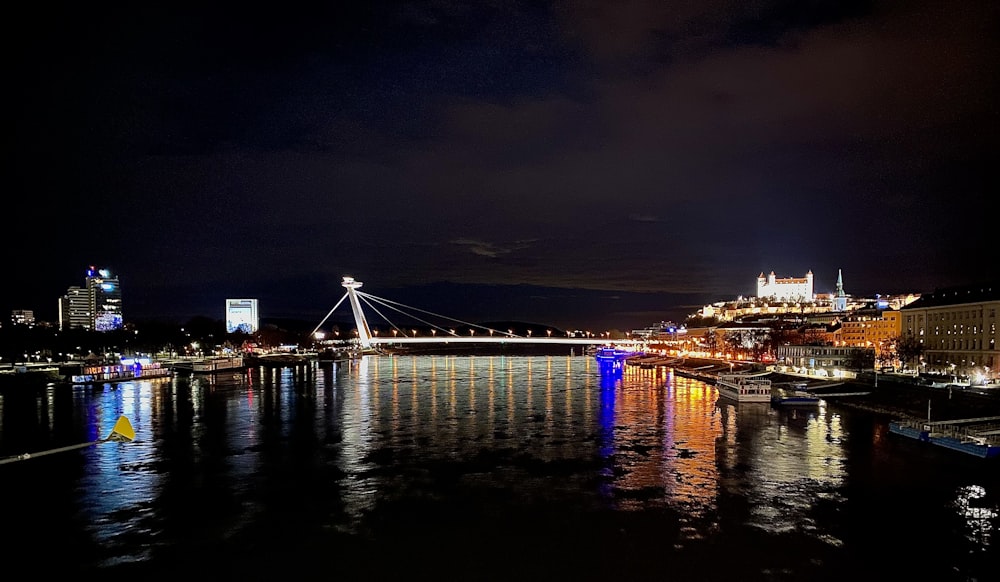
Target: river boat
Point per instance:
(125, 370)
(978, 437)
(217, 364)
(793, 395)
(744, 387)
(611, 360)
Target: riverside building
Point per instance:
(876, 330)
(957, 328)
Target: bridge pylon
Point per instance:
(364, 332)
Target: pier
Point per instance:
(978, 436)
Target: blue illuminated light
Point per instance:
(611, 361)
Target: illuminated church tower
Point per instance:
(840, 301)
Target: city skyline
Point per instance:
(601, 163)
(431, 295)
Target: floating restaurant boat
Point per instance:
(979, 437)
(127, 369)
(744, 387)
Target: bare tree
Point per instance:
(908, 349)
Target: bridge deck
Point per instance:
(444, 339)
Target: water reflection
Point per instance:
(979, 514)
(352, 447)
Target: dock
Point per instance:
(978, 436)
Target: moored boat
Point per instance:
(793, 396)
(979, 437)
(217, 364)
(125, 370)
(744, 387)
(611, 360)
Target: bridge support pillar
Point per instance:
(364, 333)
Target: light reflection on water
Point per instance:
(663, 440)
(214, 457)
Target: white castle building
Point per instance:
(786, 289)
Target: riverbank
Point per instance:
(904, 400)
(884, 396)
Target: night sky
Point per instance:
(579, 164)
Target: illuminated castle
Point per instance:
(789, 289)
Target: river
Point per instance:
(478, 468)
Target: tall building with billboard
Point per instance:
(242, 316)
(96, 306)
(106, 296)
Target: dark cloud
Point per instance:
(592, 147)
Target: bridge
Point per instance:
(447, 335)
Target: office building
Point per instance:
(24, 317)
(242, 316)
(96, 306)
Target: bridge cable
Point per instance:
(329, 314)
(383, 302)
(387, 301)
(375, 309)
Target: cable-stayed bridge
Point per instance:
(439, 334)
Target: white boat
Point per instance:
(744, 387)
(218, 364)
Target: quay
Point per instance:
(978, 436)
